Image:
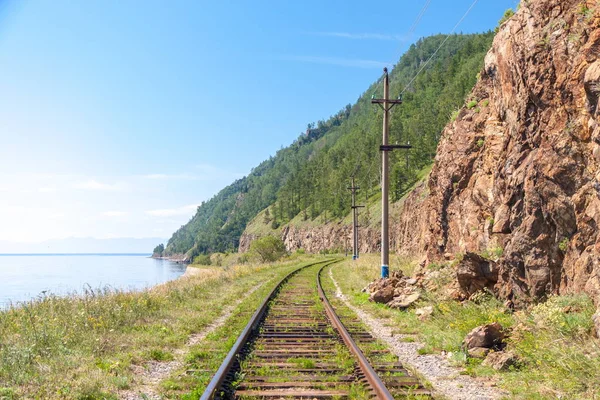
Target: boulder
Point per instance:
(489, 336)
(383, 295)
(478, 352)
(404, 301)
(424, 312)
(475, 273)
(501, 360)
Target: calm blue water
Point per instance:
(25, 276)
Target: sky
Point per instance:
(118, 118)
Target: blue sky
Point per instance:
(117, 118)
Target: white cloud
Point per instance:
(115, 213)
(170, 212)
(363, 36)
(343, 62)
(47, 189)
(92, 184)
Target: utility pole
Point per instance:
(355, 208)
(386, 104)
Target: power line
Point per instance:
(413, 27)
(418, 19)
(439, 48)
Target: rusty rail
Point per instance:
(225, 367)
(376, 383)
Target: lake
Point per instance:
(26, 276)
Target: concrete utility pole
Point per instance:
(355, 208)
(386, 104)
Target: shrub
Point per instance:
(507, 14)
(268, 248)
(493, 253)
(564, 245)
(243, 258)
(454, 115)
(202, 259)
(471, 104)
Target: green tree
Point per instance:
(268, 248)
(202, 259)
(158, 250)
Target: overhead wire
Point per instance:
(413, 27)
(411, 30)
(439, 47)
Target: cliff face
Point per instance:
(518, 171)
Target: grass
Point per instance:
(83, 346)
(554, 340)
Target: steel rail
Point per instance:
(376, 382)
(221, 374)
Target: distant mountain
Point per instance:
(82, 245)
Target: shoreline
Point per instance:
(179, 259)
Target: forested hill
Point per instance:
(311, 175)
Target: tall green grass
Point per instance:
(83, 346)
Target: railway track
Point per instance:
(296, 346)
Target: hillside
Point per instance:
(517, 174)
(307, 180)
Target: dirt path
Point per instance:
(148, 377)
(445, 378)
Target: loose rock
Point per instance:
(478, 352)
(404, 301)
(424, 312)
(475, 273)
(501, 360)
(383, 295)
(488, 336)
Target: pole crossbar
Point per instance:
(391, 147)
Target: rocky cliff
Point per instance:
(517, 172)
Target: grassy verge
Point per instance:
(560, 357)
(83, 347)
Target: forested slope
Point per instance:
(310, 177)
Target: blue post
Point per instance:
(385, 271)
(354, 257)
